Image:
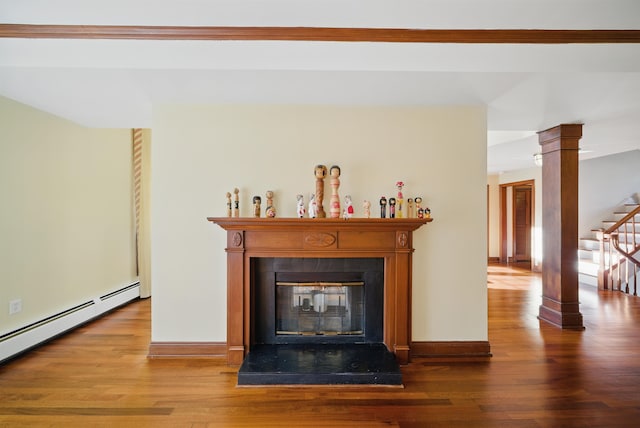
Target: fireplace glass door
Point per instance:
(319, 308)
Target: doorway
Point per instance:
(517, 222)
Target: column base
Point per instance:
(564, 320)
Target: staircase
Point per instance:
(599, 262)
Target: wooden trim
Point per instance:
(187, 349)
(456, 350)
(327, 34)
(493, 259)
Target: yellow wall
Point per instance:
(201, 152)
(66, 220)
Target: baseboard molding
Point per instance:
(444, 351)
(493, 260)
(35, 334)
(188, 350)
(452, 351)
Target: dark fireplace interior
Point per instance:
(318, 320)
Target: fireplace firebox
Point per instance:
(317, 300)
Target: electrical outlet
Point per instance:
(15, 306)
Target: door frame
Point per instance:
(503, 216)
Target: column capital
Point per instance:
(561, 137)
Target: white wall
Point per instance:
(604, 184)
(493, 181)
(66, 223)
(202, 152)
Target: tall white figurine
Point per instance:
(313, 207)
(301, 210)
(367, 208)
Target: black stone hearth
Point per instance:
(320, 364)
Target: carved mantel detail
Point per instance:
(390, 239)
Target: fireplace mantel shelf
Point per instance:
(256, 223)
(390, 239)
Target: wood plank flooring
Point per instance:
(539, 376)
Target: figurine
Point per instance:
(400, 199)
(300, 207)
(313, 207)
(334, 204)
(228, 204)
(410, 212)
(321, 173)
(256, 206)
(366, 205)
(236, 202)
(383, 207)
(427, 213)
(348, 210)
(418, 200)
(270, 211)
(392, 207)
(420, 213)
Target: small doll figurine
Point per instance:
(348, 209)
(427, 213)
(400, 199)
(383, 207)
(392, 207)
(236, 202)
(271, 210)
(410, 213)
(312, 206)
(228, 204)
(334, 204)
(366, 205)
(418, 200)
(420, 213)
(256, 206)
(301, 210)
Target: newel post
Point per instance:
(560, 303)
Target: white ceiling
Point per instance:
(525, 88)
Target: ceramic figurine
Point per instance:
(236, 202)
(420, 213)
(400, 199)
(321, 173)
(383, 207)
(427, 213)
(392, 207)
(256, 206)
(410, 211)
(313, 207)
(348, 209)
(300, 207)
(366, 205)
(334, 203)
(228, 204)
(270, 211)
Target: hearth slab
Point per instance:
(320, 364)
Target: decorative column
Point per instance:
(560, 303)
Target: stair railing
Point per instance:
(618, 246)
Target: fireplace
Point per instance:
(317, 300)
(256, 244)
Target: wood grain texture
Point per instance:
(331, 34)
(539, 376)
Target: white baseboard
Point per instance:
(23, 339)
(584, 278)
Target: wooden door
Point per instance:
(522, 223)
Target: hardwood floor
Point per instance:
(539, 376)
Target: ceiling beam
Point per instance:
(391, 35)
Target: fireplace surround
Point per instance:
(249, 239)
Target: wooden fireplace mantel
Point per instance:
(391, 239)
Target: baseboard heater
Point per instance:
(23, 339)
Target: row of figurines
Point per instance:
(314, 209)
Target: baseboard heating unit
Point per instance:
(34, 334)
